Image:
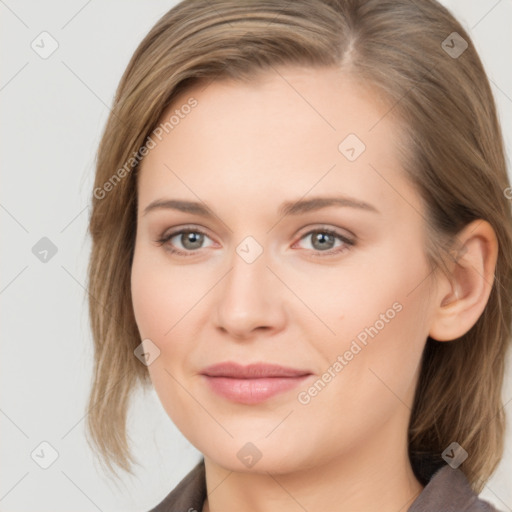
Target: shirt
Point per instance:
(448, 490)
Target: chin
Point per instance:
(258, 456)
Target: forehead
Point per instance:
(326, 99)
(286, 128)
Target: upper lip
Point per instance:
(252, 371)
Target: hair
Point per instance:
(452, 152)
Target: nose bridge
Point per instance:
(247, 299)
(247, 280)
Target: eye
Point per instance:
(326, 241)
(185, 241)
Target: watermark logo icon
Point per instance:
(44, 45)
(44, 455)
(351, 147)
(249, 249)
(454, 45)
(249, 455)
(454, 455)
(44, 250)
(146, 352)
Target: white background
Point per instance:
(54, 111)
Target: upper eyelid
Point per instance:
(203, 230)
(348, 235)
(176, 231)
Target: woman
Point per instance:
(301, 228)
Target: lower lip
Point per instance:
(252, 391)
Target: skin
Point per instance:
(243, 151)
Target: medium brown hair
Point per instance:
(453, 154)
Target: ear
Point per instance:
(462, 296)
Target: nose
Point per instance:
(250, 300)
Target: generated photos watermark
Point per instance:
(166, 127)
(356, 346)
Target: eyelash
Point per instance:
(348, 244)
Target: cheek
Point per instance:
(159, 302)
(364, 290)
(381, 323)
(160, 297)
(167, 304)
(376, 376)
(147, 300)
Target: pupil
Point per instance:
(323, 240)
(192, 240)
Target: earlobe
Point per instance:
(463, 294)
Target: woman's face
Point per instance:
(299, 243)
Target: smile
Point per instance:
(254, 383)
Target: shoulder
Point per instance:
(450, 491)
(188, 495)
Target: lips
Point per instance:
(252, 371)
(253, 383)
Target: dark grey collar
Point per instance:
(448, 491)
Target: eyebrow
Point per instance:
(287, 208)
(316, 203)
